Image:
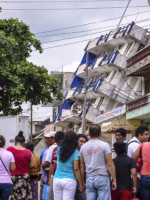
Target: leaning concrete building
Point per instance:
(108, 87)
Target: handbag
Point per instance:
(5, 166)
(46, 192)
(139, 161)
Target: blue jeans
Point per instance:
(145, 187)
(5, 190)
(98, 188)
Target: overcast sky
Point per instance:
(68, 57)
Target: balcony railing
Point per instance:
(116, 93)
(116, 37)
(104, 64)
(102, 86)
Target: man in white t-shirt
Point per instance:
(49, 139)
(96, 155)
(141, 135)
(49, 151)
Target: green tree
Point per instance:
(21, 80)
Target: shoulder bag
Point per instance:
(5, 167)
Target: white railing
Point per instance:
(114, 59)
(131, 30)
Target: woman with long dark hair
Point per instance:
(68, 170)
(7, 164)
(24, 160)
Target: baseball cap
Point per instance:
(50, 134)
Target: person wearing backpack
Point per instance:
(7, 164)
(141, 135)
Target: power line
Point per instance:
(110, 19)
(57, 40)
(80, 1)
(67, 44)
(68, 9)
(72, 37)
(90, 30)
(68, 33)
(73, 42)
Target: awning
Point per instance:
(106, 127)
(129, 125)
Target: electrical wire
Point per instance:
(58, 40)
(129, 85)
(93, 30)
(105, 90)
(69, 33)
(81, 25)
(69, 9)
(80, 1)
(66, 44)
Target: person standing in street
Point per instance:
(49, 153)
(141, 136)
(125, 167)
(59, 137)
(7, 164)
(82, 139)
(44, 172)
(67, 171)
(24, 161)
(95, 157)
(120, 135)
(143, 152)
(34, 172)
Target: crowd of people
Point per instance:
(77, 167)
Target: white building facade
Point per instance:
(108, 87)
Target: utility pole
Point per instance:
(149, 2)
(124, 13)
(31, 123)
(85, 95)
